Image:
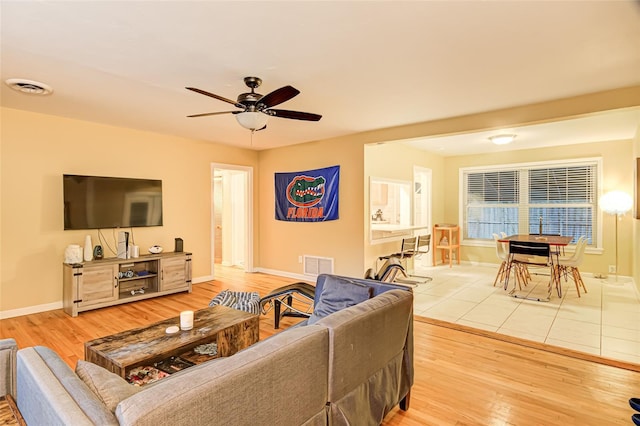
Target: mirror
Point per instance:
(389, 209)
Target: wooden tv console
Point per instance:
(101, 283)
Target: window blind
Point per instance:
(548, 198)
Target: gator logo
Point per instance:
(305, 191)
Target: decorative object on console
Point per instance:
(155, 249)
(134, 251)
(88, 249)
(98, 254)
(123, 245)
(179, 245)
(73, 254)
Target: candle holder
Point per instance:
(186, 320)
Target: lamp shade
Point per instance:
(252, 120)
(616, 202)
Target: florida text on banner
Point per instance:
(309, 196)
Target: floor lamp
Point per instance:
(616, 203)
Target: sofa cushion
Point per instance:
(108, 386)
(339, 293)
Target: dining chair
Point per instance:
(423, 246)
(558, 250)
(503, 256)
(530, 253)
(407, 251)
(570, 264)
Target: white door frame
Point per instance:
(423, 176)
(248, 217)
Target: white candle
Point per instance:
(186, 320)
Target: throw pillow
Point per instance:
(337, 294)
(108, 386)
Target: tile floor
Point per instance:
(605, 321)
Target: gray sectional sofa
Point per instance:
(348, 365)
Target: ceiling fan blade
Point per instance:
(278, 96)
(296, 115)
(220, 98)
(211, 113)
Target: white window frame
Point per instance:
(598, 217)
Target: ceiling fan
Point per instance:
(255, 108)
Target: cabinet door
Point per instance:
(98, 284)
(174, 273)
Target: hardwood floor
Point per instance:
(461, 378)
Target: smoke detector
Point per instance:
(29, 87)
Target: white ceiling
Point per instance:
(362, 65)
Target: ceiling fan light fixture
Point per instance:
(252, 120)
(29, 87)
(502, 139)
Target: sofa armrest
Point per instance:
(8, 370)
(50, 393)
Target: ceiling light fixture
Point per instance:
(29, 87)
(502, 139)
(252, 120)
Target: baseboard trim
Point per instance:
(58, 305)
(30, 310)
(531, 344)
(301, 277)
(202, 279)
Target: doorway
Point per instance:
(231, 216)
(422, 206)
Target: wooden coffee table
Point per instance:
(231, 329)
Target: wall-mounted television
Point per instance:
(95, 202)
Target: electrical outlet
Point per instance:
(612, 269)
(299, 259)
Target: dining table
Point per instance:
(552, 240)
(555, 242)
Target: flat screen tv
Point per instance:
(95, 202)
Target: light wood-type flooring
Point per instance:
(461, 377)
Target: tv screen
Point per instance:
(94, 202)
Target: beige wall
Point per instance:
(635, 249)
(617, 174)
(339, 239)
(37, 149)
(395, 161)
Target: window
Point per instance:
(547, 198)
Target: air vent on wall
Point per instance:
(29, 87)
(314, 265)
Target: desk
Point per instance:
(551, 240)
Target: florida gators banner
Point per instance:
(309, 196)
